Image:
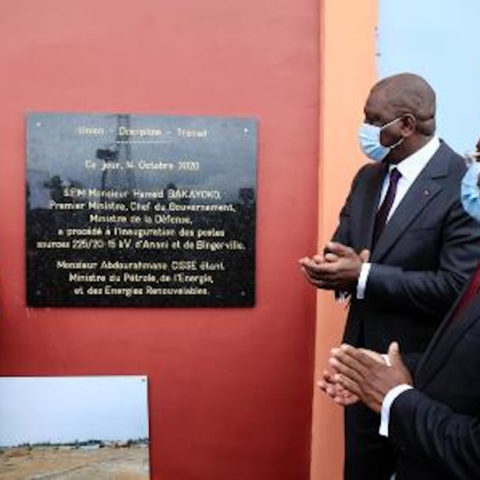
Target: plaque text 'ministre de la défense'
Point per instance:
(140, 210)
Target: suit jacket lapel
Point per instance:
(420, 194)
(423, 190)
(370, 204)
(445, 339)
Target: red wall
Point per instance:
(230, 389)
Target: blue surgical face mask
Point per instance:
(369, 138)
(470, 193)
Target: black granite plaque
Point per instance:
(139, 210)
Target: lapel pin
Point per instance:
(426, 192)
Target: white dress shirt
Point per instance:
(410, 169)
(390, 397)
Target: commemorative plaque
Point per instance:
(140, 210)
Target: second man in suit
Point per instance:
(404, 247)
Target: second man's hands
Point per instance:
(366, 377)
(329, 384)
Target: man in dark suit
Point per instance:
(404, 247)
(435, 426)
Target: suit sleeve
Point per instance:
(342, 233)
(421, 426)
(431, 292)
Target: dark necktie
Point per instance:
(467, 297)
(385, 207)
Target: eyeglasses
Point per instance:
(472, 157)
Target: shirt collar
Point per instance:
(411, 166)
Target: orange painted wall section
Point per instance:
(230, 389)
(347, 74)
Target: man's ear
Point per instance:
(408, 125)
